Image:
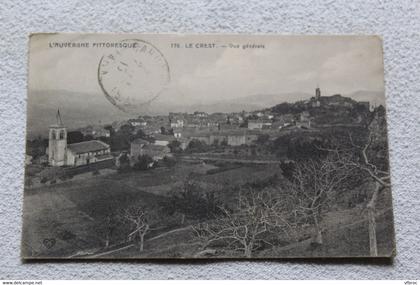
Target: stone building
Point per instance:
(62, 154)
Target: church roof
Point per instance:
(88, 146)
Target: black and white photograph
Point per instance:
(172, 146)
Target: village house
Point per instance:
(337, 100)
(200, 114)
(177, 132)
(163, 140)
(282, 121)
(140, 122)
(183, 143)
(227, 126)
(304, 120)
(176, 123)
(228, 137)
(88, 152)
(95, 131)
(364, 104)
(62, 154)
(136, 145)
(237, 139)
(259, 124)
(156, 152)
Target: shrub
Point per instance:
(175, 146)
(196, 145)
(143, 162)
(169, 161)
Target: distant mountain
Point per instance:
(374, 97)
(273, 99)
(76, 109)
(248, 103)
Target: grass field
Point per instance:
(75, 208)
(67, 219)
(71, 213)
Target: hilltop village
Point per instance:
(239, 135)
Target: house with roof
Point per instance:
(163, 140)
(95, 131)
(228, 137)
(87, 152)
(136, 146)
(76, 154)
(156, 152)
(259, 124)
(139, 122)
(304, 120)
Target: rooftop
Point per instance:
(156, 147)
(88, 146)
(140, 141)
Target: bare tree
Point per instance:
(314, 185)
(381, 177)
(138, 219)
(360, 157)
(254, 221)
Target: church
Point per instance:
(76, 154)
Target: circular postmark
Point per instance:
(133, 75)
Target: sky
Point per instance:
(205, 74)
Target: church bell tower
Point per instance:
(57, 143)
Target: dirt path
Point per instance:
(96, 255)
(170, 232)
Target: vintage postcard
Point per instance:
(206, 146)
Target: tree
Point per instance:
(143, 162)
(169, 161)
(127, 129)
(193, 202)
(121, 139)
(369, 156)
(138, 219)
(175, 146)
(74, 137)
(196, 145)
(381, 177)
(123, 162)
(255, 221)
(36, 147)
(110, 129)
(314, 184)
(262, 139)
(107, 226)
(140, 135)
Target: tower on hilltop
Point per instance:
(317, 93)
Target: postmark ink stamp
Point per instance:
(133, 75)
